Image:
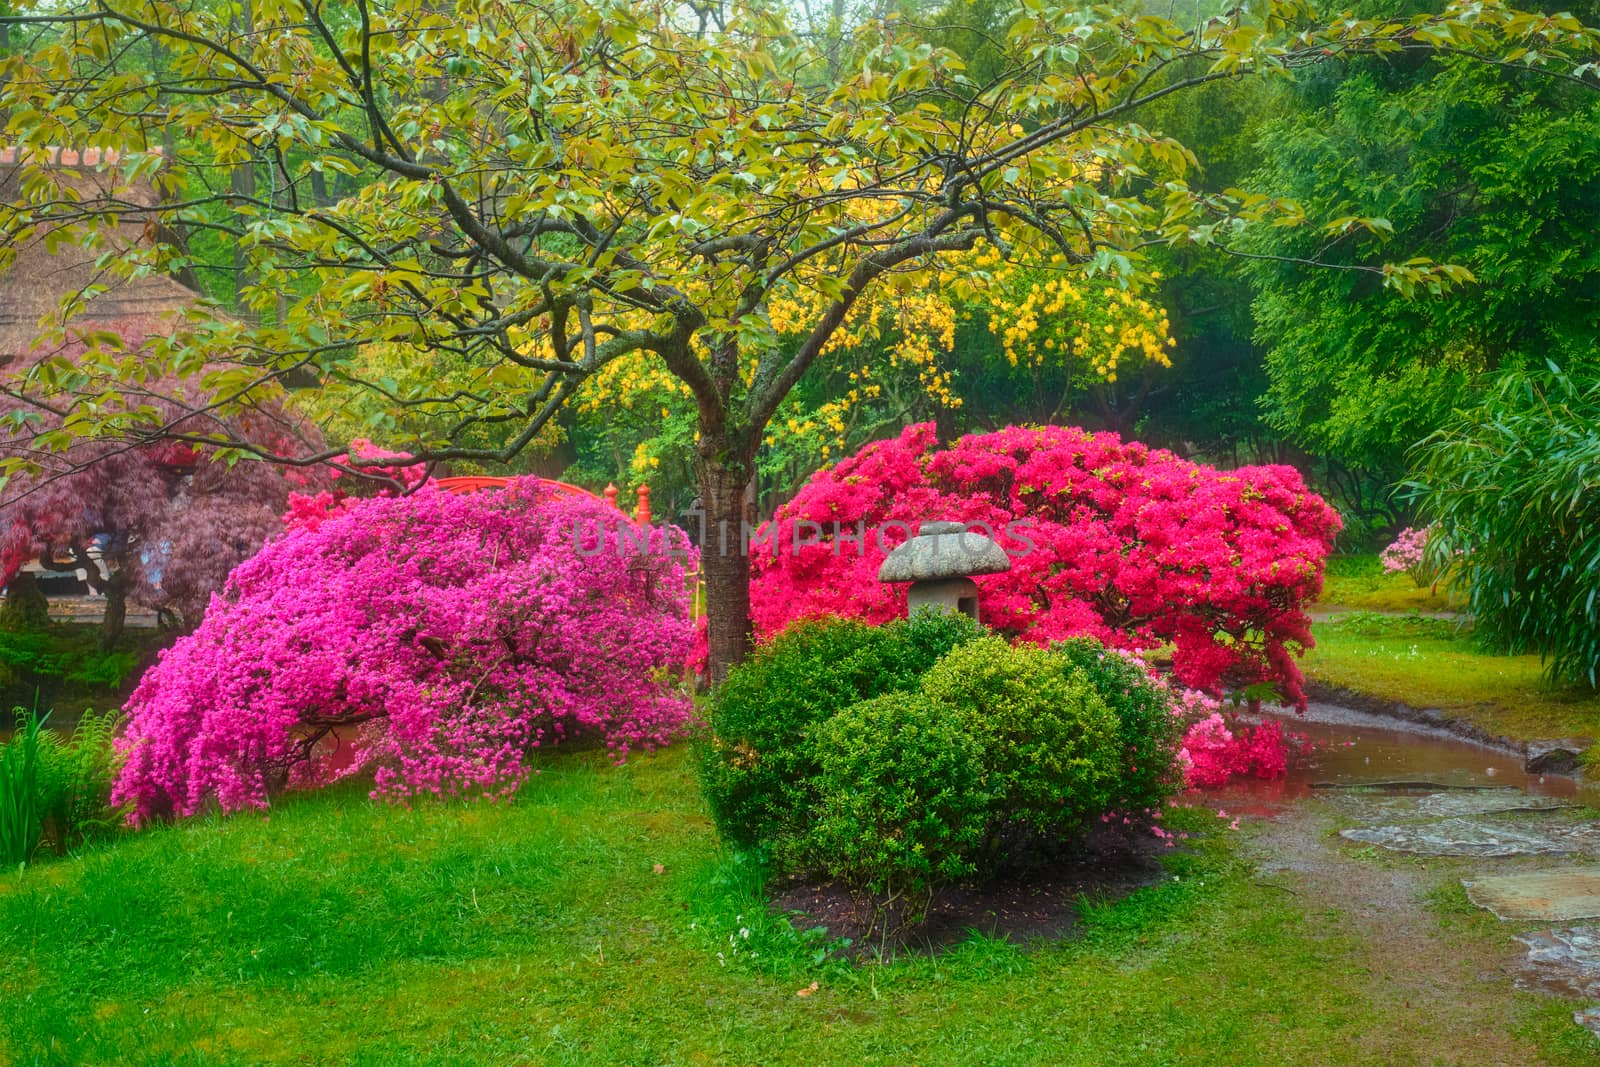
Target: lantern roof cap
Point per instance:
(944, 550)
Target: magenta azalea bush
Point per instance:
(1108, 539)
(441, 639)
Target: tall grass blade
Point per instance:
(21, 817)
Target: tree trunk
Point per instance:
(25, 606)
(242, 177)
(116, 611)
(725, 562)
(243, 184)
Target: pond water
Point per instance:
(1527, 848)
(1345, 748)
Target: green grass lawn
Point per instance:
(1360, 582)
(339, 930)
(1432, 663)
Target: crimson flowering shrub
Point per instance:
(1212, 754)
(1108, 539)
(1153, 711)
(445, 637)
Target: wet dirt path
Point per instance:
(1457, 970)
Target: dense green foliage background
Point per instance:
(1276, 357)
(1280, 359)
(1497, 173)
(1510, 484)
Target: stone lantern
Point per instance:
(939, 563)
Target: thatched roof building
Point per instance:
(31, 290)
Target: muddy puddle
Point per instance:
(1341, 749)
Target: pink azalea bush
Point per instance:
(310, 510)
(445, 638)
(1408, 555)
(1108, 538)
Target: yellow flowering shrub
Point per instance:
(1053, 317)
(636, 381)
(892, 358)
(1042, 315)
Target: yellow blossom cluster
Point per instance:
(644, 460)
(1042, 314)
(918, 324)
(635, 379)
(1056, 318)
(903, 332)
(826, 429)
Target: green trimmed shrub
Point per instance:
(1051, 749)
(902, 807)
(1148, 732)
(900, 758)
(757, 766)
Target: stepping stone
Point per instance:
(1487, 803)
(1561, 756)
(1563, 895)
(1475, 837)
(1462, 802)
(1563, 961)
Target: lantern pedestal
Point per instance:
(939, 562)
(954, 595)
